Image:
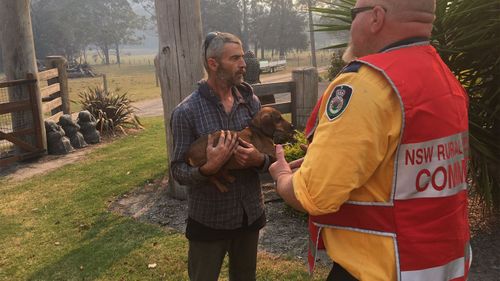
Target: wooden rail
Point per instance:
(303, 91)
(47, 92)
(48, 74)
(55, 96)
(264, 90)
(23, 149)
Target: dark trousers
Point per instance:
(205, 258)
(338, 273)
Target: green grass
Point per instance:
(137, 80)
(57, 227)
(135, 75)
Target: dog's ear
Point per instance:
(267, 124)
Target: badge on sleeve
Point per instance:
(338, 101)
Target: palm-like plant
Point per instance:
(336, 17)
(467, 35)
(112, 110)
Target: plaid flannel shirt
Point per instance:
(202, 113)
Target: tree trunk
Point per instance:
(85, 54)
(262, 52)
(16, 37)
(245, 26)
(180, 61)
(105, 50)
(311, 35)
(118, 54)
(282, 27)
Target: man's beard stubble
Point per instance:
(228, 77)
(348, 54)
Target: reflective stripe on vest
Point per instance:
(427, 213)
(312, 121)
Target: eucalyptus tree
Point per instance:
(222, 15)
(60, 28)
(308, 6)
(69, 27)
(284, 28)
(114, 23)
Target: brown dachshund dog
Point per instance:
(266, 128)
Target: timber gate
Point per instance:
(21, 136)
(20, 131)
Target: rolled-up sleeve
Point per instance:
(182, 139)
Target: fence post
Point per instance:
(61, 64)
(157, 66)
(180, 63)
(18, 55)
(105, 84)
(305, 96)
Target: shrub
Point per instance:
(293, 151)
(336, 65)
(112, 110)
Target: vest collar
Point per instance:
(406, 43)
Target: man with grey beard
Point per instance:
(220, 223)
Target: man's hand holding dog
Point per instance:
(247, 156)
(218, 155)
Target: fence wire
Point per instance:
(14, 121)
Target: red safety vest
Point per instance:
(312, 121)
(427, 212)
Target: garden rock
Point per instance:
(57, 142)
(72, 131)
(87, 124)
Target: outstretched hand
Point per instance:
(280, 167)
(282, 174)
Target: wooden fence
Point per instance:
(20, 139)
(303, 89)
(51, 95)
(21, 134)
(54, 89)
(268, 89)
